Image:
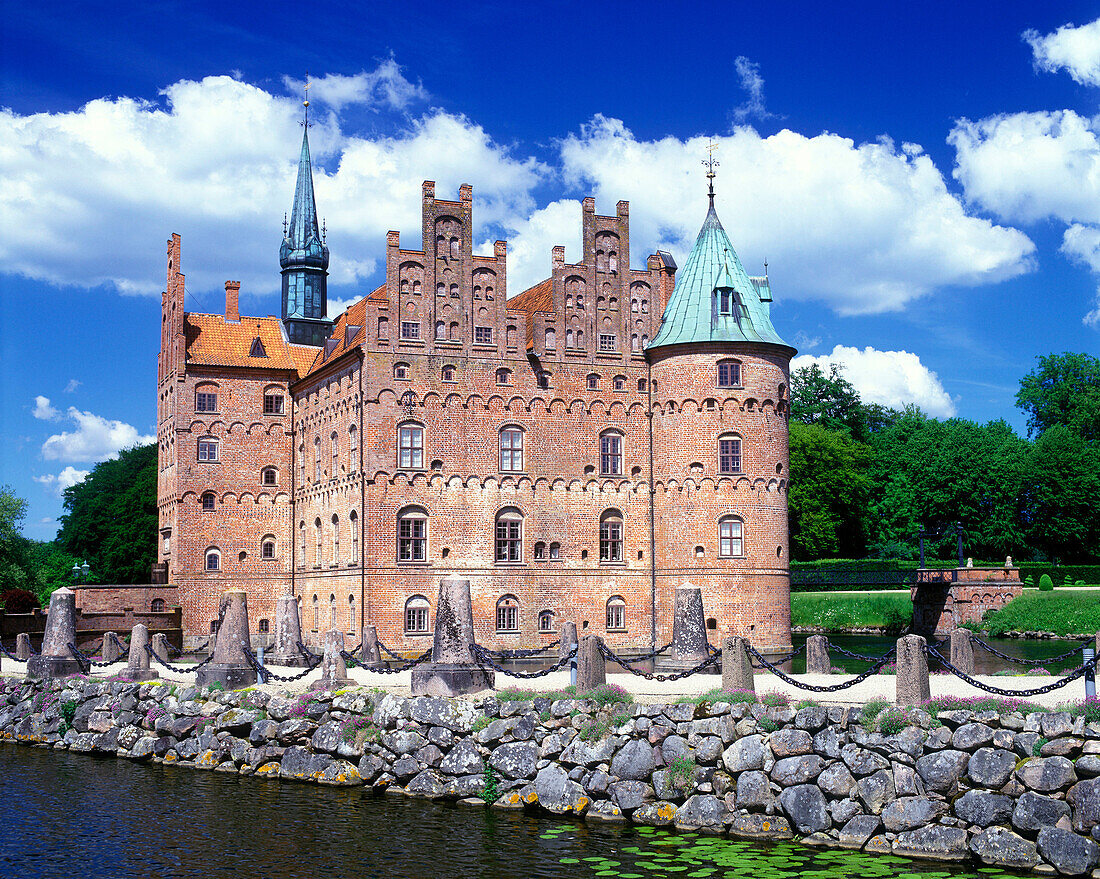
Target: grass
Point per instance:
(842, 612)
(1063, 612)
(605, 694)
(773, 698)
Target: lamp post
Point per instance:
(80, 573)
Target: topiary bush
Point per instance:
(1029, 580)
(1045, 583)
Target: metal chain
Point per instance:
(520, 654)
(974, 639)
(392, 655)
(81, 660)
(485, 657)
(788, 657)
(1039, 691)
(307, 653)
(653, 676)
(815, 688)
(10, 656)
(178, 669)
(653, 654)
(88, 662)
(172, 651)
(423, 657)
(268, 675)
(861, 656)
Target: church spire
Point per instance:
(304, 257)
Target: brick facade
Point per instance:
(362, 522)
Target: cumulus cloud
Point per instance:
(91, 195)
(43, 411)
(889, 378)
(68, 477)
(752, 83)
(530, 242)
(1082, 245)
(94, 439)
(385, 86)
(866, 228)
(1073, 49)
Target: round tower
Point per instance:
(720, 385)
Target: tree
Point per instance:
(1061, 485)
(829, 493)
(15, 567)
(1064, 389)
(829, 401)
(112, 517)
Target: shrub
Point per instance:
(608, 694)
(981, 703)
(360, 729)
(893, 720)
(490, 793)
(1029, 580)
(1045, 583)
(871, 710)
(18, 601)
(480, 724)
(808, 703)
(775, 699)
(767, 724)
(1063, 613)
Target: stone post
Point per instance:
(817, 656)
(230, 665)
(568, 639)
(109, 651)
(288, 634)
(23, 646)
(736, 666)
(138, 667)
(334, 670)
(591, 669)
(372, 653)
(962, 651)
(56, 659)
(912, 681)
(452, 671)
(160, 647)
(689, 632)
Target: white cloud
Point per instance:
(865, 228)
(1082, 245)
(804, 342)
(73, 384)
(95, 439)
(531, 241)
(384, 86)
(337, 307)
(752, 83)
(90, 196)
(43, 411)
(1070, 48)
(66, 478)
(889, 378)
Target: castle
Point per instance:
(576, 451)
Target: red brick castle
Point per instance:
(576, 451)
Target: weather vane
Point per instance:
(305, 102)
(711, 164)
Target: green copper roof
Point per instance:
(302, 245)
(694, 313)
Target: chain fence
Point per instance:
(818, 688)
(177, 669)
(519, 654)
(387, 670)
(999, 691)
(779, 660)
(989, 648)
(713, 659)
(484, 657)
(861, 656)
(266, 675)
(172, 651)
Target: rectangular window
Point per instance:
(607, 342)
(509, 540)
(729, 455)
(483, 335)
(412, 539)
(416, 619)
(206, 402)
(729, 374)
(411, 448)
(511, 450)
(611, 540)
(507, 618)
(410, 329)
(725, 301)
(208, 450)
(729, 539)
(616, 616)
(611, 454)
(273, 404)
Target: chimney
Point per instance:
(232, 308)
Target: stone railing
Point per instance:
(1012, 790)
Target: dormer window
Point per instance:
(726, 301)
(257, 349)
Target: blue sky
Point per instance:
(923, 182)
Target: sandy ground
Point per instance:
(878, 686)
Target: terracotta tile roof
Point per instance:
(304, 356)
(211, 341)
(356, 315)
(379, 294)
(537, 298)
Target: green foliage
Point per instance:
(831, 402)
(767, 724)
(597, 728)
(807, 703)
(360, 729)
(68, 712)
(16, 570)
(872, 708)
(1037, 747)
(893, 720)
(1029, 580)
(1060, 488)
(1060, 612)
(1046, 584)
(481, 723)
(834, 612)
(1088, 573)
(490, 791)
(1063, 390)
(681, 772)
(112, 517)
(608, 694)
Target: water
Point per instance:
(67, 814)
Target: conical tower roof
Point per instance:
(699, 312)
(302, 244)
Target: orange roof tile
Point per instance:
(304, 356)
(212, 341)
(356, 315)
(379, 294)
(537, 298)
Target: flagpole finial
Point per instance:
(711, 163)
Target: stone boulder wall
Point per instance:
(1014, 791)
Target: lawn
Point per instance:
(1065, 611)
(841, 611)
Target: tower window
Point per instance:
(267, 548)
(619, 383)
(725, 301)
(270, 476)
(257, 349)
(273, 404)
(410, 329)
(729, 374)
(206, 402)
(511, 449)
(504, 376)
(213, 560)
(607, 341)
(449, 373)
(593, 381)
(730, 538)
(401, 371)
(416, 614)
(616, 614)
(208, 450)
(509, 536)
(412, 537)
(611, 536)
(410, 447)
(611, 454)
(546, 621)
(729, 454)
(483, 335)
(208, 500)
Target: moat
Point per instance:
(127, 820)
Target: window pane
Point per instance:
(729, 456)
(611, 454)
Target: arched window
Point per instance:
(727, 300)
(449, 373)
(619, 383)
(213, 559)
(353, 521)
(267, 547)
(729, 454)
(539, 551)
(634, 346)
(555, 551)
(383, 329)
(546, 621)
(416, 615)
(729, 374)
(208, 500)
(410, 446)
(593, 381)
(157, 605)
(440, 330)
(269, 476)
(332, 612)
(401, 371)
(351, 614)
(731, 543)
(335, 539)
(509, 536)
(317, 459)
(206, 398)
(320, 545)
(507, 614)
(504, 376)
(511, 449)
(264, 627)
(551, 339)
(353, 439)
(611, 453)
(645, 306)
(641, 385)
(302, 541)
(208, 450)
(616, 614)
(611, 536)
(568, 338)
(412, 535)
(335, 455)
(316, 613)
